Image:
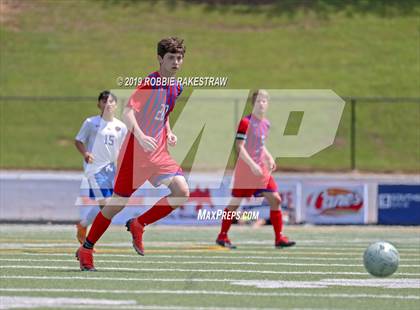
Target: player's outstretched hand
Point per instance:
(149, 144)
(256, 170)
(272, 165)
(172, 139)
(88, 158)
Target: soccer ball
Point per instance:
(381, 259)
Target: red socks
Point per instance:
(99, 225)
(155, 213)
(277, 222)
(226, 223)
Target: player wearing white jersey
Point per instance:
(99, 141)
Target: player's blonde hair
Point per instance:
(260, 92)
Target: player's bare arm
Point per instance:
(148, 143)
(244, 155)
(88, 157)
(271, 163)
(172, 138)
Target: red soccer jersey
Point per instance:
(152, 103)
(254, 131)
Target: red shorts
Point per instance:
(133, 171)
(271, 186)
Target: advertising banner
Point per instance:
(334, 203)
(398, 204)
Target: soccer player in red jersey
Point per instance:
(252, 176)
(144, 155)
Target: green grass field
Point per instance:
(64, 48)
(182, 269)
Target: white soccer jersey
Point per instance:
(103, 139)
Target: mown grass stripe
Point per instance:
(206, 292)
(167, 262)
(217, 257)
(263, 250)
(122, 269)
(191, 245)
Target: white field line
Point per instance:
(9, 232)
(155, 307)
(205, 292)
(89, 278)
(52, 303)
(338, 248)
(72, 267)
(332, 244)
(410, 242)
(238, 253)
(170, 262)
(327, 283)
(43, 244)
(323, 283)
(212, 257)
(292, 251)
(9, 302)
(329, 246)
(307, 243)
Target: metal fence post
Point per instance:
(353, 134)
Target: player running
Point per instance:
(99, 141)
(145, 153)
(252, 176)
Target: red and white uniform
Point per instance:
(152, 104)
(246, 184)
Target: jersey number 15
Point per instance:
(109, 140)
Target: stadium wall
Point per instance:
(317, 198)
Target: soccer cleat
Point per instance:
(225, 242)
(85, 258)
(81, 233)
(136, 230)
(284, 242)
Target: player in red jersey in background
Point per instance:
(252, 176)
(144, 155)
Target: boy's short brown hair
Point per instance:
(170, 45)
(259, 92)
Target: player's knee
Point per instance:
(232, 207)
(181, 194)
(110, 211)
(276, 202)
(184, 193)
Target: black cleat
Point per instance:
(284, 242)
(225, 243)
